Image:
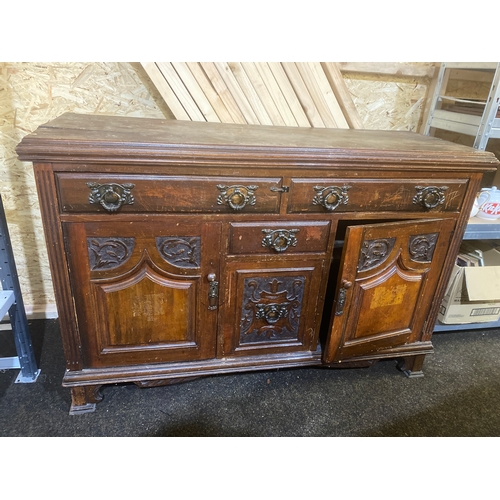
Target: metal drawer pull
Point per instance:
(237, 197)
(111, 196)
(279, 239)
(331, 197)
(430, 196)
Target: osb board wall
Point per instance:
(34, 93)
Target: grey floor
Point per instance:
(458, 396)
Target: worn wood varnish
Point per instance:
(181, 249)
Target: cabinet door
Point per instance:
(141, 290)
(271, 307)
(387, 278)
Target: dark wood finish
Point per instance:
(184, 249)
(153, 292)
(374, 195)
(164, 194)
(279, 238)
(271, 309)
(386, 286)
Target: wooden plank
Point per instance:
(302, 93)
(289, 94)
(461, 128)
(196, 91)
(309, 76)
(261, 89)
(238, 95)
(222, 90)
(178, 87)
(471, 75)
(248, 85)
(328, 95)
(276, 94)
(212, 96)
(344, 99)
(431, 89)
(453, 116)
(472, 65)
(165, 91)
(393, 69)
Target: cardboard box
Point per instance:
(473, 293)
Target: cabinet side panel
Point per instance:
(47, 196)
(456, 240)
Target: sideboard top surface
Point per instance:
(130, 139)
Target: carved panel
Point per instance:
(421, 247)
(271, 315)
(109, 253)
(374, 252)
(180, 251)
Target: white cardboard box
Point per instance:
(473, 293)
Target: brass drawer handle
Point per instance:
(331, 197)
(430, 196)
(111, 196)
(236, 197)
(279, 239)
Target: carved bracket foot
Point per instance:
(411, 366)
(84, 399)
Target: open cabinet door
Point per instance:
(387, 278)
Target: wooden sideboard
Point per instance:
(181, 249)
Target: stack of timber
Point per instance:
(308, 94)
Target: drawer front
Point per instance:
(347, 195)
(192, 194)
(278, 237)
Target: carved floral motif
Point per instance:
(274, 314)
(421, 247)
(180, 251)
(374, 252)
(108, 253)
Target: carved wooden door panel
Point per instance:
(386, 284)
(142, 290)
(271, 308)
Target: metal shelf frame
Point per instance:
(11, 302)
(482, 128)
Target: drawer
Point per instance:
(278, 237)
(348, 195)
(192, 194)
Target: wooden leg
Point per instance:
(84, 399)
(412, 366)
